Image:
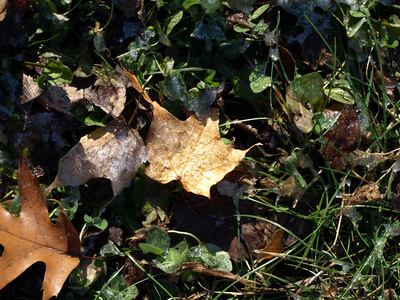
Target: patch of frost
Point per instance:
(130, 29)
(141, 43)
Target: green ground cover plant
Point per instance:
(309, 88)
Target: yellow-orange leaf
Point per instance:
(32, 237)
(190, 151)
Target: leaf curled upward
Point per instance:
(190, 151)
(32, 237)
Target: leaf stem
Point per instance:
(186, 233)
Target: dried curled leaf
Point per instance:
(190, 151)
(114, 152)
(363, 193)
(109, 98)
(32, 237)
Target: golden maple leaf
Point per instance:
(190, 151)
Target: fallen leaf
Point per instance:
(32, 237)
(110, 99)
(363, 193)
(131, 272)
(190, 151)
(239, 19)
(3, 9)
(390, 81)
(30, 89)
(56, 97)
(274, 246)
(114, 152)
(109, 91)
(366, 159)
(396, 198)
(288, 62)
(305, 96)
(137, 86)
(343, 138)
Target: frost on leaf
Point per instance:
(32, 237)
(114, 152)
(190, 151)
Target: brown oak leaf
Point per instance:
(190, 151)
(114, 152)
(32, 237)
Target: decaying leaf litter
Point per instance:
(328, 145)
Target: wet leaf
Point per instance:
(305, 96)
(209, 31)
(340, 92)
(172, 21)
(188, 3)
(343, 138)
(32, 237)
(169, 262)
(212, 256)
(210, 6)
(190, 151)
(173, 86)
(258, 80)
(240, 19)
(288, 62)
(199, 101)
(302, 117)
(308, 90)
(114, 152)
(157, 241)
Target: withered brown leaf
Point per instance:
(363, 193)
(343, 138)
(114, 152)
(32, 237)
(275, 246)
(190, 151)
